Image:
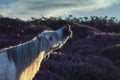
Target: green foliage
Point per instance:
(83, 20)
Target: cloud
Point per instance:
(25, 9)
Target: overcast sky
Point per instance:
(25, 9)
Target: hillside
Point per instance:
(93, 53)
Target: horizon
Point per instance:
(24, 9)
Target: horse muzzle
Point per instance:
(64, 32)
(67, 32)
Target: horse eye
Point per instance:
(50, 38)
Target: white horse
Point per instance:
(22, 62)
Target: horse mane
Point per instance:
(24, 54)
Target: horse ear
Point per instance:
(38, 36)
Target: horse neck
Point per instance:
(26, 53)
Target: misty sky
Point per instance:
(25, 9)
